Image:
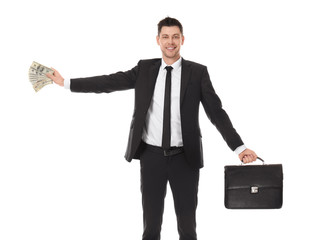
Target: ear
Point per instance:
(182, 40)
(158, 40)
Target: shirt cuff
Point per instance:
(67, 83)
(240, 149)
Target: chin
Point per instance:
(173, 55)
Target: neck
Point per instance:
(170, 61)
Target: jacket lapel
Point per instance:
(185, 77)
(153, 74)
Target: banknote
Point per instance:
(37, 76)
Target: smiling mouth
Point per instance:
(170, 48)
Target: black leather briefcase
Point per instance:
(254, 186)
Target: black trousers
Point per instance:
(156, 171)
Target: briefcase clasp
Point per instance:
(254, 189)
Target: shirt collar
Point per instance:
(175, 65)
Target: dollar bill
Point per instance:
(37, 76)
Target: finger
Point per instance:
(245, 159)
(50, 76)
(241, 156)
(250, 158)
(55, 72)
(253, 157)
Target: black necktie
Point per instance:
(166, 135)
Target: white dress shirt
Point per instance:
(154, 120)
(152, 133)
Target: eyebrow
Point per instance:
(176, 34)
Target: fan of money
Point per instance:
(37, 76)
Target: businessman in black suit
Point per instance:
(165, 133)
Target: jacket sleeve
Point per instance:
(215, 112)
(106, 83)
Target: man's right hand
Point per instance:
(56, 77)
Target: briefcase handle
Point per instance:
(256, 158)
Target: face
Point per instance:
(170, 41)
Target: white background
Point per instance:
(62, 172)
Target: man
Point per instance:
(165, 133)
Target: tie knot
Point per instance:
(169, 68)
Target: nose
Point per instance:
(170, 41)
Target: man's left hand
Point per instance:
(247, 156)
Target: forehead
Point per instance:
(170, 30)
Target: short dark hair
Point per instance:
(169, 22)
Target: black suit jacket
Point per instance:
(196, 87)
